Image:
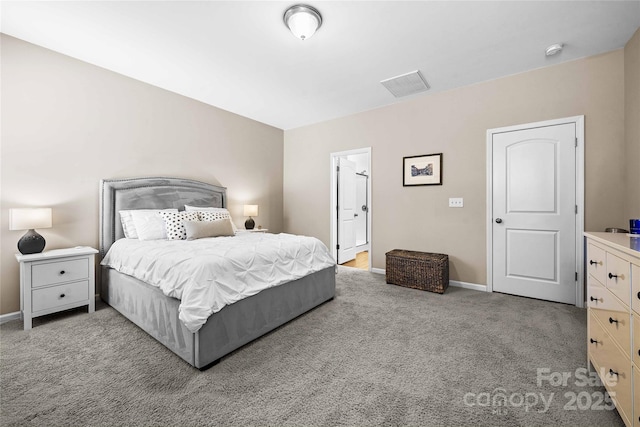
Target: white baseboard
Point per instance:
(466, 285)
(456, 283)
(9, 316)
(16, 315)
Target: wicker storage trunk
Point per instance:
(418, 270)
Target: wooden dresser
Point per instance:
(613, 320)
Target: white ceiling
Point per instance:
(239, 56)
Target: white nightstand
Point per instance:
(56, 280)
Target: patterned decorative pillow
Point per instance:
(213, 215)
(174, 223)
(204, 209)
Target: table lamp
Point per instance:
(250, 210)
(28, 219)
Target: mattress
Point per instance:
(208, 274)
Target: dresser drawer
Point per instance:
(636, 346)
(59, 272)
(614, 366)
(618, 324)
(599, 296)
(618, 280)
(635, 285)
(636, 405)
(596, 339)
(596, 258)
(60, 295)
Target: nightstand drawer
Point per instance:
(58, 296)
(59, 272)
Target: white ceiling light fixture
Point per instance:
(302, 20)
(553, 49)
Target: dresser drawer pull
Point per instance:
(594, 299)
(638, 295)
(611, 276)
(611, 320)
(591, 262)
(612, 372)
(62, 295)
(593, 341)
(62, 272)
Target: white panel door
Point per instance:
(534, 202)
(361, 210)
(346, 210)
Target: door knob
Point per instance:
(498, 220)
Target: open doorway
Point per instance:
(350, 208)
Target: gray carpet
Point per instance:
(376, 355)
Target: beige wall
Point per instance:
(66, 124)
(632, 125)
(455, 123)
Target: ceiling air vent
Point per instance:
(406, 84)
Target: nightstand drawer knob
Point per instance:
(62, 272)
(62, 295)
(612, 372)
(612, 320)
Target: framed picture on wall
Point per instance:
(422, 170)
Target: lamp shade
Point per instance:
(29, 218)
(250, 210)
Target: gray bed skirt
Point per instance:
(224, 331)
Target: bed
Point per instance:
(157, 314)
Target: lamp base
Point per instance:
(249, 224)
(31, 243)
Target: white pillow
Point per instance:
(212, 217)
(129, 226)
(149, 224)
(189, 208)
(200, 229)
(174, 223)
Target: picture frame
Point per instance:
(422, 170)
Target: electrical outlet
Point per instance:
(456, 202)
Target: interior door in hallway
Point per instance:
(346, 210)
(534, 212)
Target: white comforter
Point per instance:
(207, 274)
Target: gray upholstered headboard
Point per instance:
(150, 193)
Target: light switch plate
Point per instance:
(456, 202)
